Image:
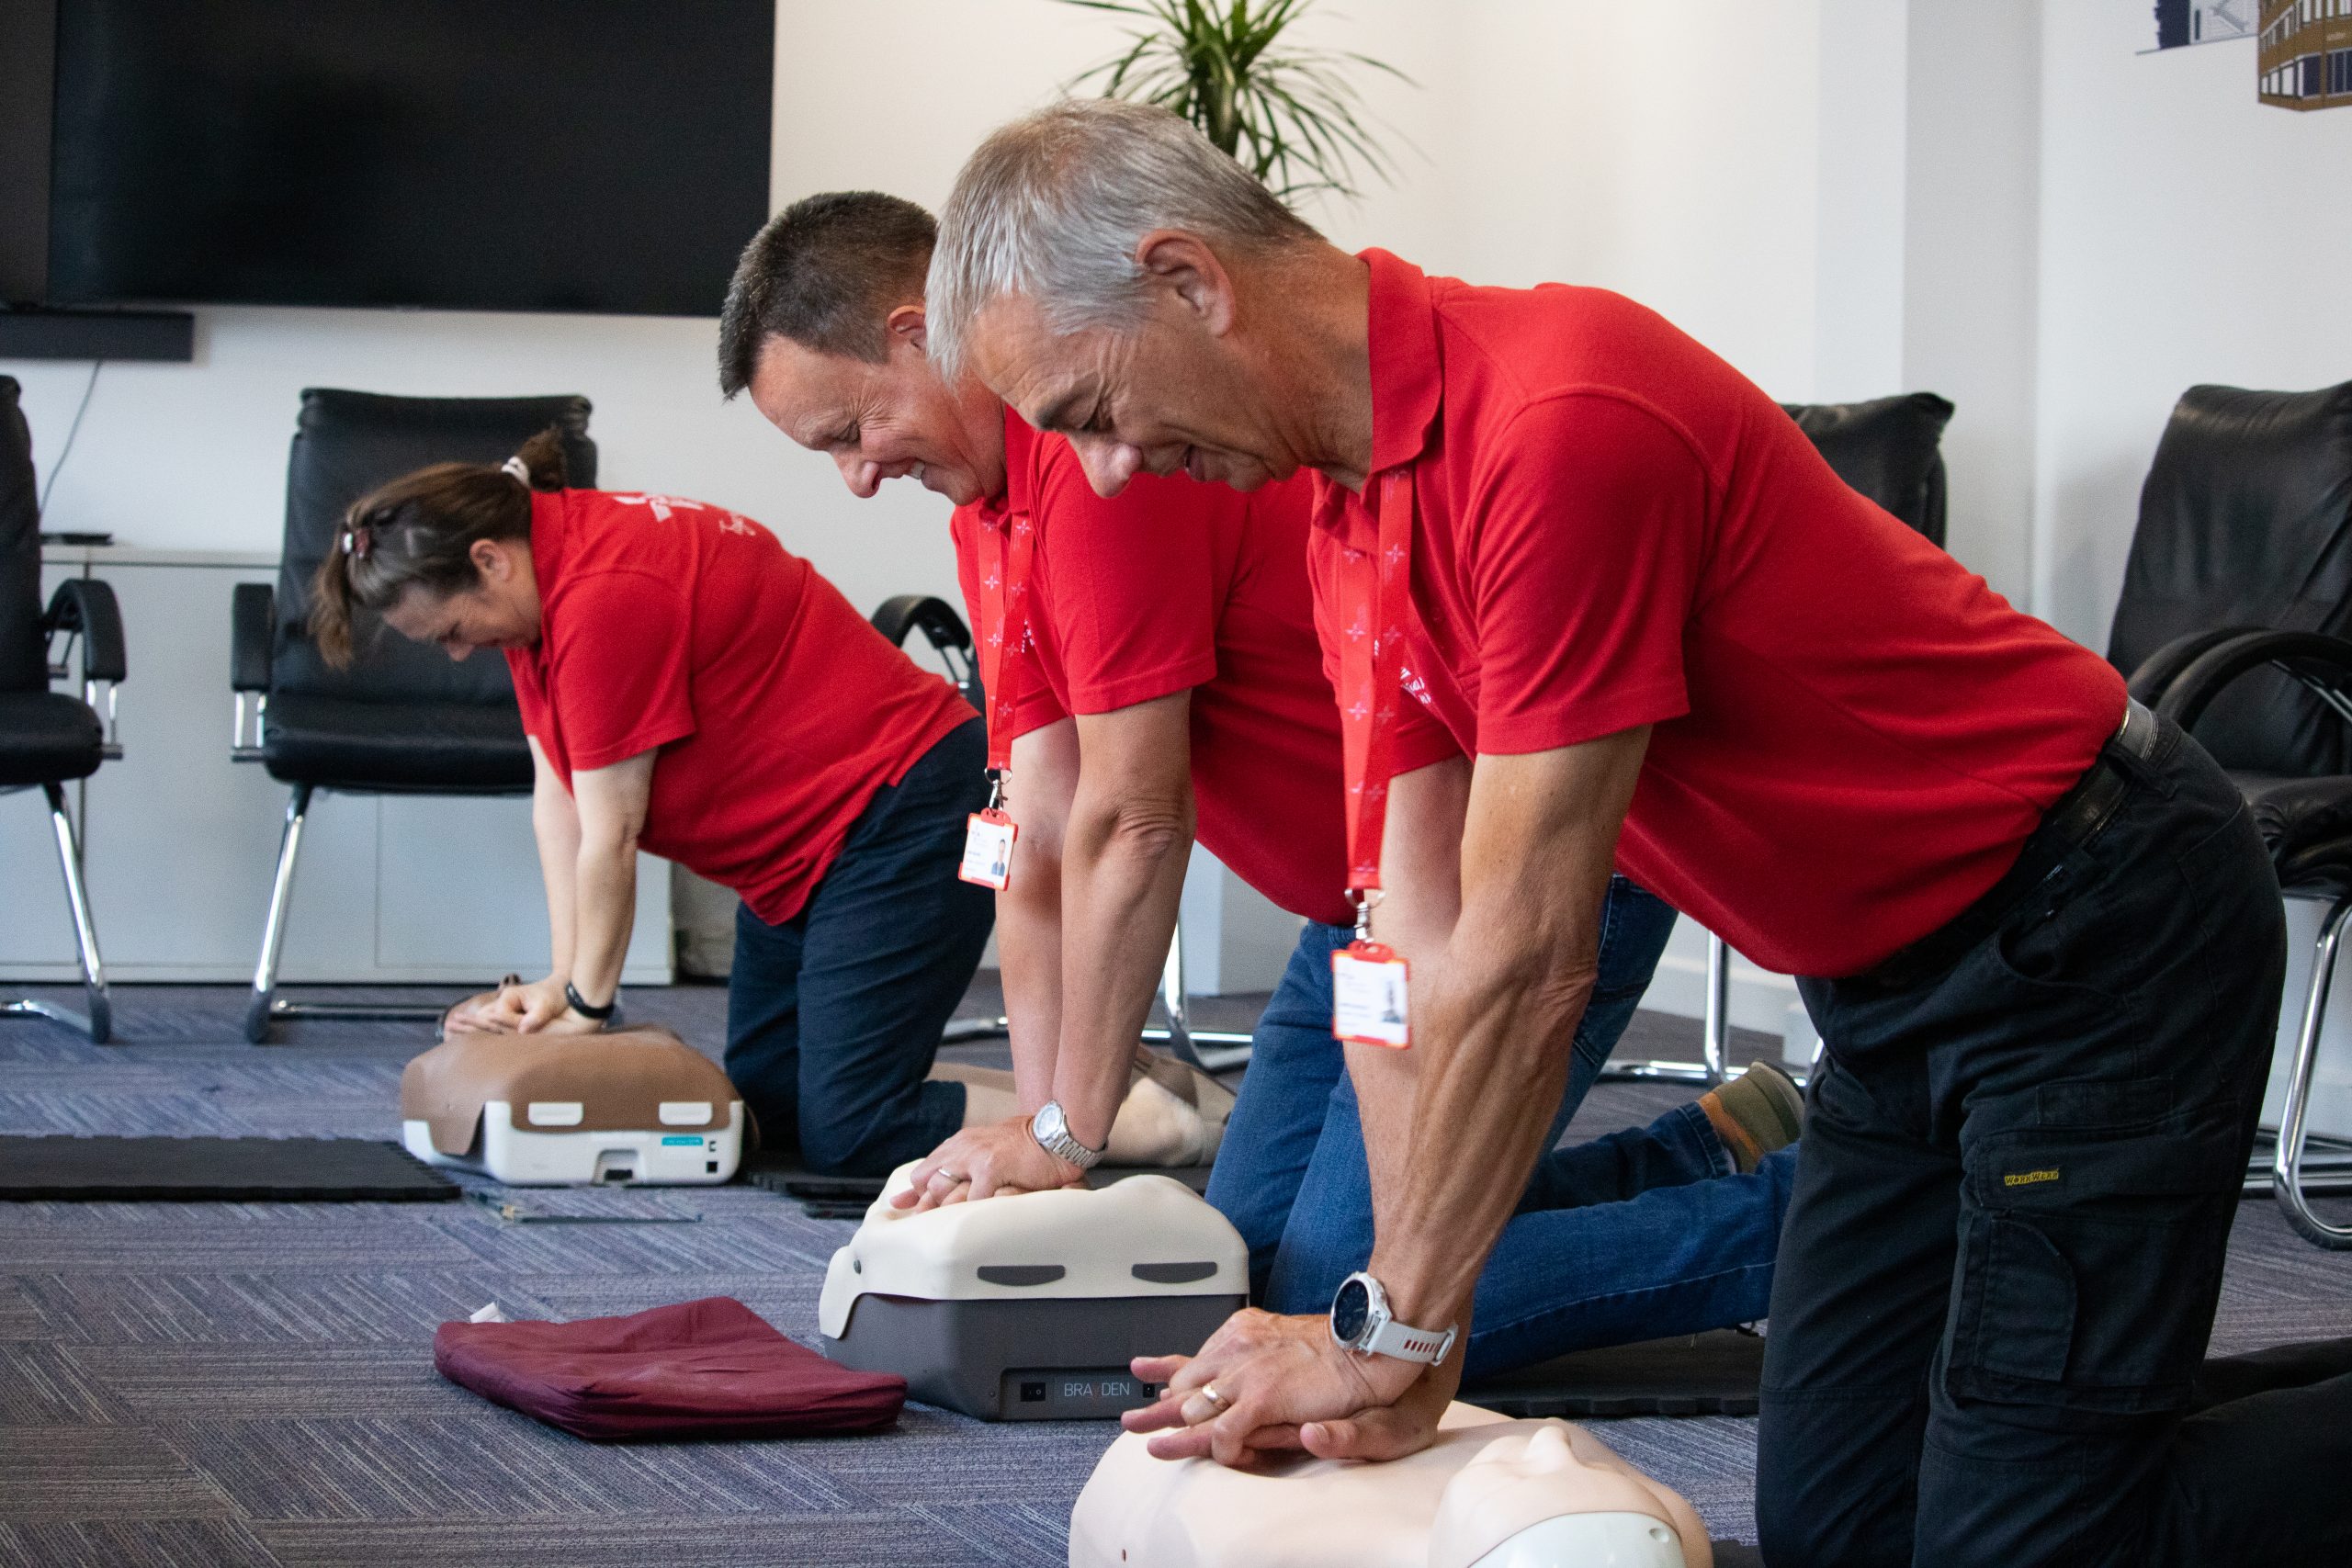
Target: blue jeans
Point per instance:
(833, 1017)
(1637, 1235)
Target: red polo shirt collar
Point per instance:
(1407, 384)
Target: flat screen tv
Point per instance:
(590, 155)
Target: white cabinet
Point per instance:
(180, 842)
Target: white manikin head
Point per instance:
(1529, 1500)
(1489, 1493)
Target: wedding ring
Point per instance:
(1209, 1392)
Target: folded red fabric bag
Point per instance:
(708, 1369)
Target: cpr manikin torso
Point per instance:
(1489, 1493)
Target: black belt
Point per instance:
(2071, 822)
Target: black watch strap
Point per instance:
(580, 1004)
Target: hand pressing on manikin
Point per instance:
(538, 1007)
(1282, 1383)
(986, 1161)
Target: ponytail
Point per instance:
(419, 531)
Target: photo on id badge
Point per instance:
(987, 848)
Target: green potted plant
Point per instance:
(1286, 112)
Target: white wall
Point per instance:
(2188, 233)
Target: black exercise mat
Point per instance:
(1701, 1374)
(302, 1171)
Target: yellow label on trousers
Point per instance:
(2027, 1178)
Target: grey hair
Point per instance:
(1053, 206)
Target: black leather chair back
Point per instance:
(2245, 520)
(1889, 448)
(24, 652)
(345, 446)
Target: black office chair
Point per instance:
(951, 639)
(404, 719)
(1890, 449)
(2233, 620)
(47, 737)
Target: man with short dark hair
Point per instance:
(2043, 940)
(1168, 677)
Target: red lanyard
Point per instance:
(1004, 615)
(1374, 606)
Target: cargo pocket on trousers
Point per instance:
(2025, 1300)
(2091, 1243)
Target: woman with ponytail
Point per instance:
(691, 688)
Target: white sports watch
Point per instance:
(1050, 1127)
(1360, 1322)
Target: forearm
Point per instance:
(1494, 1021)
(556, 826)
(1421, 875)
(1491, 1036)
(604, 905)
(1122, 879)
(1029, 958)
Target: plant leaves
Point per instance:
(1289, 114)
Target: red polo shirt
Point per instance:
(777, 710)
(1174, 586)
(1853, 734)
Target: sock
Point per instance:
(1175, 1114)
(1756, 1112)
(989, 1094)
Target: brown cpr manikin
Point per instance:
(631, 1105)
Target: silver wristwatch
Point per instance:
(1360, 1322)
(1050, 1127)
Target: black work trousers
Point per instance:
(2005, 1244)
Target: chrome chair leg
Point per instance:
(99, 1022)
(2287, 1162)
(1229, 1050)
(273, 932)
(1716, 1043)
(1715, 1066)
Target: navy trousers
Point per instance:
(833, 1017)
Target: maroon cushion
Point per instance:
(708, 1369)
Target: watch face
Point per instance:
(1049, 1120)
(1350, 1309)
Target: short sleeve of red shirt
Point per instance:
(620, 671)
(1588, 533)
(1132, 588)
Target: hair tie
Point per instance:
(519, 470)
(358, 540)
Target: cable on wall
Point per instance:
(71, 430)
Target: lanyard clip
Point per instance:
(996, 788)
(1364, 902)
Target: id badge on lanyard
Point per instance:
(989, 833)
(1371, 1001)
(988, 848)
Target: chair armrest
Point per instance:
(943, 629)
(2161, 668)
(938, 618)
(2323, 664)
(252, 627)
(85, 607)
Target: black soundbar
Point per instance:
(31, 333)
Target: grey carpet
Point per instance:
(252, 1383)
